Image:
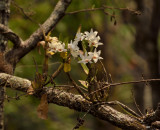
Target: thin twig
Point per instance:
(92, 9)
(137, 106)
(84, 10)
(77, 87)
(124, 83)
(17, 97)
(126, 108)
(23, 12)
(138, 81)
(103, 9)
(54, 75)
(35, 63)
(105, 72)
(126, 9)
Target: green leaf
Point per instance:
(91, 48)
(84, 46)
(85, 68)
(60, 38)
(66, 40)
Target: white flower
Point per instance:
(79, 37)
(95, 55)
(53, 39)
(85, 59)
(73, 45)
(53, 46)
(74, 48)
(90, 35)
(95, 42)
(92, 38)
(61, 48)
(56, 46)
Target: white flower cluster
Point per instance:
(88, 57)
(56, 46)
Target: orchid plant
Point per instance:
(89, 40)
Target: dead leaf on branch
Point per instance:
(42, 109)
(41, 43)
(39, 81)
(30, 90)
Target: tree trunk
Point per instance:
(154, 62)
(146, 43)
(4, 16)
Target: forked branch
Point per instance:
(9, 34)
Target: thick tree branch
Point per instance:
(76, 102)
(10, 35)
(48, 25)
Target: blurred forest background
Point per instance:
(130, 52)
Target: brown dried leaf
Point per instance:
(42, 109)
(38, 81)
(30, 90)
(41, 43)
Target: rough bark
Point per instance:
(76, 102)
(4, 16)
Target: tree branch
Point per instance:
(10, 35)
(47, 26)
(75, 102)
(124, 83)
(103, 9)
